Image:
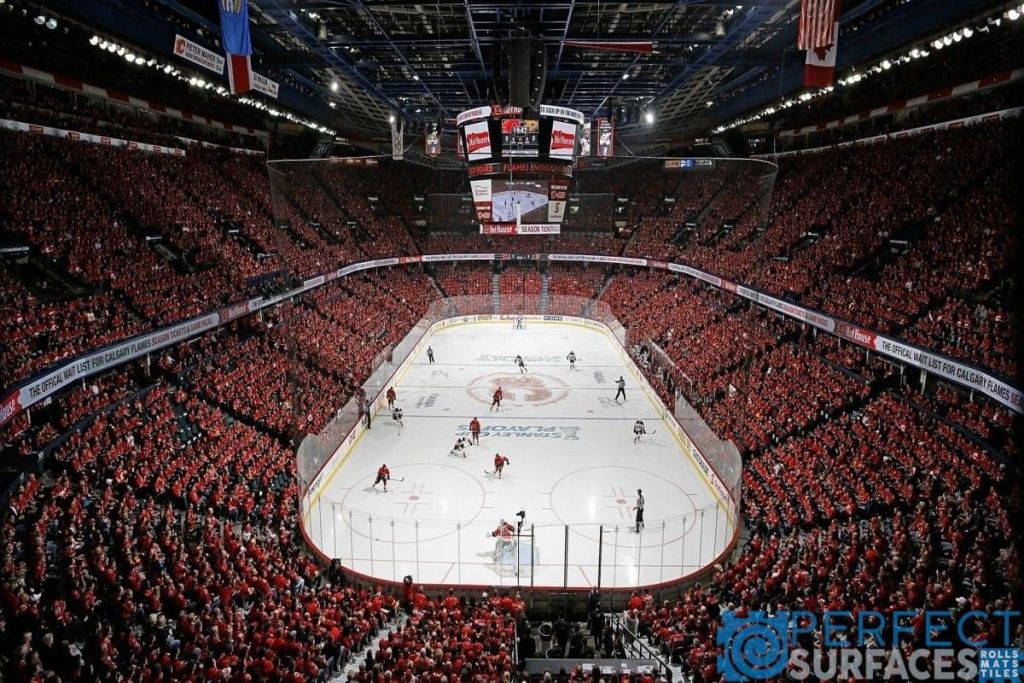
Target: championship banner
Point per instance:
(585, 140)
(605, 137)
(459, 151)
(397, 140)
(433, 140)
(197, 54)
(234, 37)
(563, 140)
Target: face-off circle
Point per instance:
(532, 389)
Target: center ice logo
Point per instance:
(530, 389)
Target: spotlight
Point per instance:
(886, 64)
(51, 23)
(140, 60)
(415, 77)
(1013, 14)
(129, 56)
(111, 48)
(957, 36)
(94, 41)
(334, 86)
(947, 41)
(649, 117)
(40, 19)
(968, 32)
(121, 51)
(391, 119)
(915, 53)
(625, 77)
(938, 44)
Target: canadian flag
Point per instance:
(239, 73)
(820, 65)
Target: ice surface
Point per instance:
(574, 470)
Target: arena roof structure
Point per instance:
(691, 64)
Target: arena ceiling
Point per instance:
(710, 61)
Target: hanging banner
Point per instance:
(234, 37)
(605, 137)
(397, 140)
(585, 140)
(433, 140)
(197, 54)
(458, 145)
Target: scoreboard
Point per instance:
(520, 166)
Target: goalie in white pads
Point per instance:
(638, 430)
(506, 535)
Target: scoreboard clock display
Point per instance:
(520, 137)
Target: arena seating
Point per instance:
(164, 542)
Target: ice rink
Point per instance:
(574, 470)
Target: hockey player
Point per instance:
(621, 384)
(391, 396)
(430, 354)
(499, 463)
(459, 448)
(383, 475)
(505, 533)
(396, 415)
(638, 430)
(639, 507)
(522, 366)
(496, 400)
(474, 431)
(572, 360)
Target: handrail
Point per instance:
(644, 651)
(47, 382)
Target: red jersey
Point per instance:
(497, 394)
(474, 426)
(383, 472)
(391, 394)
(499, 460)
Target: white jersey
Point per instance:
(638, 427)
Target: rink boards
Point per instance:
(434, 522)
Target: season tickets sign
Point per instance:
(519, 137)
(524, 229)
(563, 140)
(478, 141)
